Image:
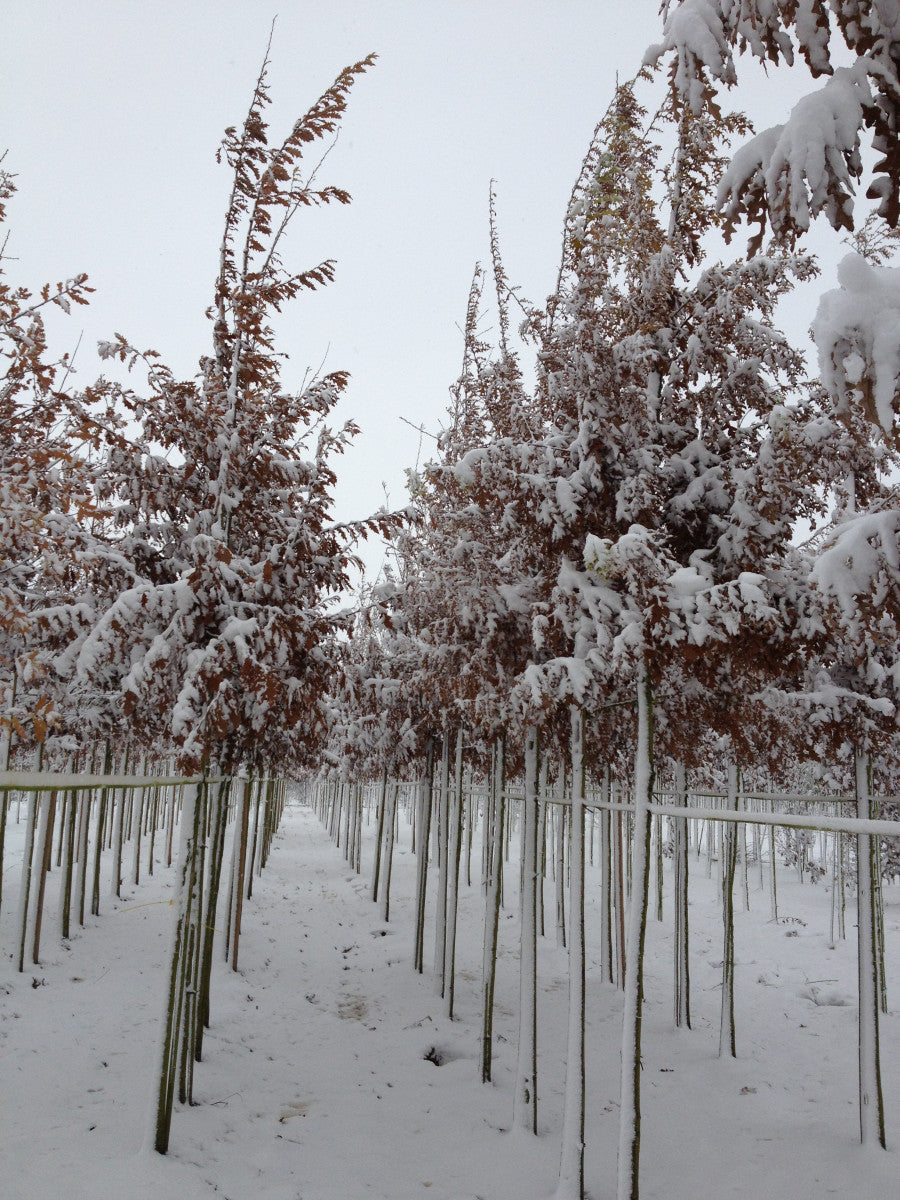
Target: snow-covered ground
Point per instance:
(318, 1081)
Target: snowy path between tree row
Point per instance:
(318, 1082)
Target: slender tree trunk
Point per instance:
(43, 858)
(4, 811)
(267, 822)
(4, 795)
(347, 789)
(216, 857)
(494, 833)
(440, 914)
(68, 826)
(541, 853)
(871, 1100)
(353, 799)
(240, 862)
(174, 802)
(682, 939)
(389, 824)
(102, 808)
(98, 851)
(571, 1171)
(154, 821)
(454, 850)
(525, 1106)
(607, 890)
(168, 1063)
(559, 857)
(379, 834)
(251, 858)
(84, 833)
(487, 817)
(357, 828)
(140, 801)
(836, 885)
(727, 1038)
(620, 895)
(192, 956)
(657, 824)
(630, 1100)
(471, 812)
(878, 897)
(231, 873)
(423, 846)
(63, 807)
(333, 799)
(27, 872)
(119, 802)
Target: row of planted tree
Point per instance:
(204, 823)
(608, 533)
(624, 505)
(539, 816)
(86, 827)
(170, 572)
(605, 552)
(171, 578)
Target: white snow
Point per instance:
(801, 159)
(315, 1082)
(861, 558)
(856, 334)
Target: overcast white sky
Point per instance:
(111, 113)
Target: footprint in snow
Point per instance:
(826, 997)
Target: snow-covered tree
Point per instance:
(44, 490)
(683, 454)
(813, 162)
(223, 498)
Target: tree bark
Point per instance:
(216, 856)
(440, 912)
(379, 834)
(494, 837)
(423, 846)
(43, 856)
(525, 1106)
(571, 1171)
(871, 1100)
(240, 862)
(630, 1097)
(727, 1037)
(682, 932)
(454, 851)
(172, 1016)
